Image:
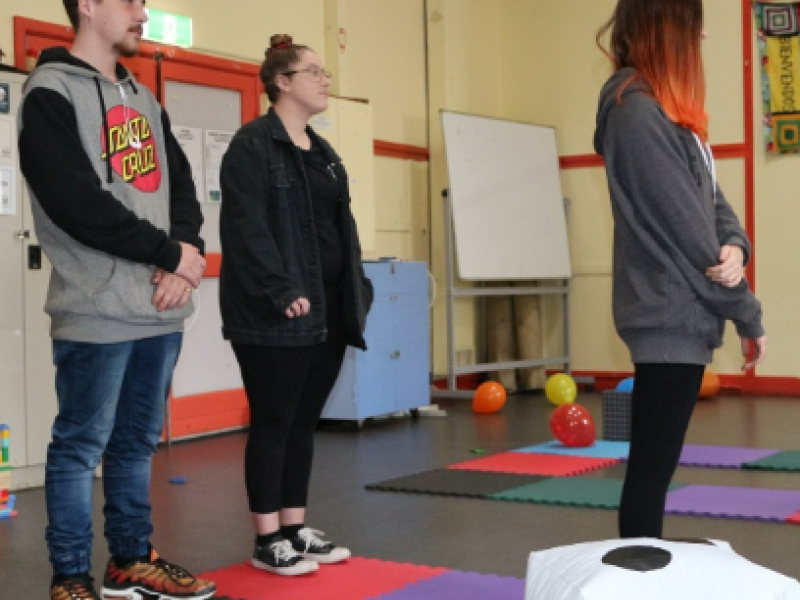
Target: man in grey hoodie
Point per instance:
(116, 213)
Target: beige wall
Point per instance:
(463, 76)
(383, 60)
(778, 245)
(243, 32)
(528, 60)
(537, 62)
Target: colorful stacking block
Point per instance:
(6, 498)
(5, 448)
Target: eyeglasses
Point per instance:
(313, 72)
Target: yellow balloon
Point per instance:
(561, 389)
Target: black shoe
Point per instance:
(279, 557)
(308, 543)
(73, 587)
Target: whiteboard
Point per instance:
(508, 207)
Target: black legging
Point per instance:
(664, 395)
(286, 389)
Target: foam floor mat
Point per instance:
(364, 579)
(755, 504)
(600, 449)
(568, 491)
(784, 460)
(354, 579)
(456, 482)
(725, 457)
(693, 455)
(752, 504)
(457, 585)
(528, 463)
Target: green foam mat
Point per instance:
(570, 491)
(786, 460)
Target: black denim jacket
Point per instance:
(270, 255)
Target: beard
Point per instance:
(127, 49)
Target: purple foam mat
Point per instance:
(728, 457)
(733, 503)
(458, 585)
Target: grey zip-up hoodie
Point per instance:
(670, 221)
(112, 197)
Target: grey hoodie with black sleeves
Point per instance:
(670, 222)
(108, 207)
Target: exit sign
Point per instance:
(168, 29)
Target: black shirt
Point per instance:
(325, 198)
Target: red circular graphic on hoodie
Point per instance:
(139, 167)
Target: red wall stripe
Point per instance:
(207, 413)
(213, 264)
(581, 161)
(395, 150)
(767, 386)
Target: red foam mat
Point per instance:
(552, 465)
(355, 579)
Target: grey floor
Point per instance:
(204, 524)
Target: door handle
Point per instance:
(22, 234)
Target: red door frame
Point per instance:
(34, 36)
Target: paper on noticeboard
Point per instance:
(190, 140)
(8, 191)
(216, 144)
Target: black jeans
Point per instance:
(664, 395)
(286, 390)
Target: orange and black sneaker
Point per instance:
(153, 579)
(73, 587)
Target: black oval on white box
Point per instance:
(652, 569)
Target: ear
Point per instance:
(86, 8)
(284, 82)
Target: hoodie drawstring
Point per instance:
(105, 130)
(133, 137)
(708, 158)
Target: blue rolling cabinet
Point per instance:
(394, 373)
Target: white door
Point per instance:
(12, 341)
(27, 376)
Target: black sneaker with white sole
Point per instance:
(281, 558)
(309, 543)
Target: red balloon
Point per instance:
(489, 397)
(573, 426)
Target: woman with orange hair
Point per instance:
(679, 251)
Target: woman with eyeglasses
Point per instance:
(679, 251)
(293, 296)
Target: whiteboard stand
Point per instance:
(454, 291)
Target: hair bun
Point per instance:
(280, 41)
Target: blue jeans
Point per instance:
(111, 405)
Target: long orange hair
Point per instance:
(661, 40)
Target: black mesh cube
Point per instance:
(617, 416)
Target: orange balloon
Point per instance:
(710, 385)
(489, 397)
